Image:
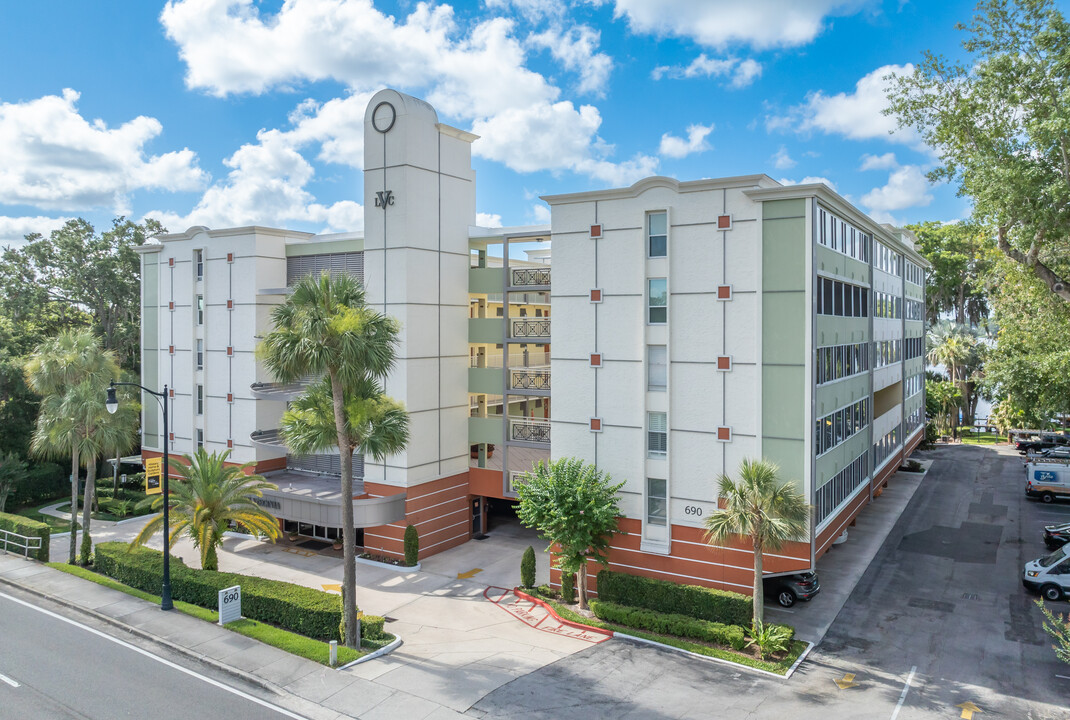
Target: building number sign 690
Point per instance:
(231, 596)
(693, 510)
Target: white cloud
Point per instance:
(530, 9)
(674, 147)
(740, 73)
(857, 115)
(57, 160)
(886, 161)
(541, 213)
(782, 160)
(809, 180)
(336, 125)
(907, 187)
(718, 23)
(576, 50)
(13, 230)
(488, 220)
(477, 75)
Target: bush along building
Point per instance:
(693, 324)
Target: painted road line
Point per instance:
(9, 681)
(157, 658)
(903, 695)
(1064, 677)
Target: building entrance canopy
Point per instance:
(316, 499)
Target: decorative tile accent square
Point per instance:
(724, 292)
(596, 424)
(724, 362)
(596, 231)
(724, 222)
(596, 295)
(724, 434)
(596, 359)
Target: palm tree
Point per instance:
(325, 328)
(206, 496)
(55, 367)
(78, 421)
(951, 345)
(759, 506)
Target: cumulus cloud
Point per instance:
(856, 115)
(13, 230)
(674, 147)
(541, 213)
(739, 73)
(55, 159)
(886, 161)
(718, 23)
(809, 180)
(907, 187)
(477, 75)
(576, 50)
(782, 160)
(488, 220)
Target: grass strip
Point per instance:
(267, 634)
(780, 667)
(55, 524)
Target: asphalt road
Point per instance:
(938, 620)
(53, 668)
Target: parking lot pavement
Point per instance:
(938, 621)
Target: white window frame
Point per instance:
(657, 425)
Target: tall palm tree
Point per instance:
(762, 508)
(57, 365)
(78, 421)
(206, 496)
(951, 345)
(325, 328)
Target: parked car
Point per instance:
(788, 589)
(1056, 535)
(1047, 480)
(1050, 575)
(1044, 442)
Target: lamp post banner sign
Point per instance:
(153, 474)
(230, 604)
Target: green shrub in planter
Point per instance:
(527, 568)
(412, 545)
(668, 597)
(568, 587)
(30, 528)
(732, 636)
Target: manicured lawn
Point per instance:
(780, 667)
(974, 438)
(267, 634)
(55, 524)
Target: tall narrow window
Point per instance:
(200, 438)
(200, 354)
(657, 434)
(657, 229)
(657, 367)
(200, 399)
(657, 502)
(200, 309)
(657, 301)
(198, 258)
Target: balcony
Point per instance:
(529, 379)
(270, 439)
(530, 359)
(529, 430)
(530, 329)
(282, 391)
(531, 277)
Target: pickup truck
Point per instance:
(1038, 444)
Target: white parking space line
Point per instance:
(168, 663)
(903, 695)
(9, 681)
(1064, 677)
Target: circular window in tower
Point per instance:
(383, 117)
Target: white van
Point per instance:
(1050, 574)
(1047, 480)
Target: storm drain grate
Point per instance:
(970, 596)
(389, 619)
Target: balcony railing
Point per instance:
(516, 360)
(529, 379)
(537, 328)
(531, 430)
(523, 277)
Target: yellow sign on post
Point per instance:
(153, 476)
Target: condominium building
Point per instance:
(693, 323)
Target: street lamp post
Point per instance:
(112, 404)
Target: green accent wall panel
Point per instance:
(324, 248)
(485, 280)
(485, 380)
(840, 456)
(834, 396)
(836, 263)
(789, 455)
(776, 209)
(485, 430)
(485, 330)
(784, 401)
(784, 328)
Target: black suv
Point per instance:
(787, 589)
(1045, 442)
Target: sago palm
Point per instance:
(325, 328)
(206, 496)
(761, 508)
(57, 366)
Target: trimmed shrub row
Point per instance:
(30, 528)
(308, 612)
(667, 597)
(732, 636)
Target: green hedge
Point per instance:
(667, 597)
(308, 612)
(732, 636)
(32, 528)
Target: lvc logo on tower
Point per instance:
(384, 198)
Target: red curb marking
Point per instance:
(565, 628)
(549, 609)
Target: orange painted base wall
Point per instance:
(439, 510)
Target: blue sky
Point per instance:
(233, 112)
